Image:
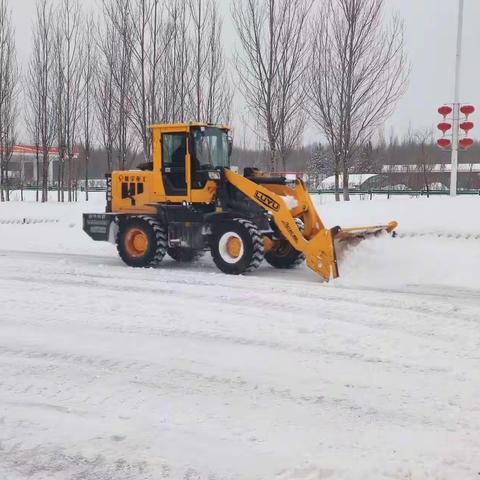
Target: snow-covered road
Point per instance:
(110, 373)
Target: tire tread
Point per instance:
(161, 242)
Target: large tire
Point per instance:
(237, 246)
(185, 255)
(142, 242)
(283, 255)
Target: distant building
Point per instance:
(436, 175)
(23, 165)
(409, 177)
(355, 181)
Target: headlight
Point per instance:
(214, 175)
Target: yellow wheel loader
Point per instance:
(188, 200)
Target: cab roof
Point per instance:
(189, 124)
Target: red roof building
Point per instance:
(23, 164)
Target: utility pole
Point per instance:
(456, 104)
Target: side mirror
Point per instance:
(230, 145)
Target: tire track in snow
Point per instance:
(326, 306)
(323, 306)
(45, 461)
(277, 307)
(188, 382)
(335, 291)
(220, 338)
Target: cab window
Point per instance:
(174, 149)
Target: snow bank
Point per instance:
(439, 215)
(49, 227)
(426, 252)
(438, 243)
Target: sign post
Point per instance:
(456, 104)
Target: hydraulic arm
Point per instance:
(289, 200)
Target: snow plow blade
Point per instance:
(360, 233)
(321, 255)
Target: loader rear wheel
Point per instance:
(142, 242)
(237, 246)
(185, 255)
(283, 255)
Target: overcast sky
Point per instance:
(430, 40)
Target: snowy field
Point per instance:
(184, 373)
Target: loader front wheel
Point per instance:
(142, 242)
(284, 256)
(185, 255)
(237, 246)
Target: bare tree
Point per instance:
(40, 87)
(271, 68)
(176, 71)
(116, 48)
(33, 114)
(424, 142)
(89, 71)
(200, 12)
(149, 39)
(142, 28)
(104, 89)
(212, 90)
(211, 95)
(59, 105)
(149, 70)
(9, 76)
(69, 63)
(358, 71)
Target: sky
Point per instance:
(430, 27)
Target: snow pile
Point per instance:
(437, 215)
(49, 227)
(355, 180)
(427, 250)
(28, 221)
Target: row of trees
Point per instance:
(333, 63)
(344, 70)
(412, 161)
(416, 151)
(9, 92)
(103, 82)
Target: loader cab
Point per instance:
(189, 158)
(186, 164)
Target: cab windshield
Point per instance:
(210, 147)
